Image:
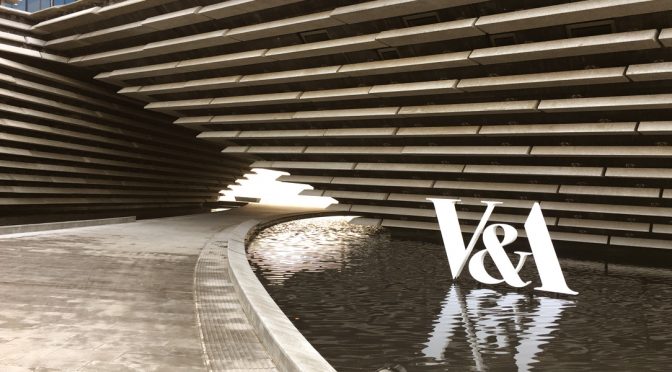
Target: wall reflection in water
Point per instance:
(500, 323)
(369, 302)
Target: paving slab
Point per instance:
(121, 298)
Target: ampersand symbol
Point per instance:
(495, 248)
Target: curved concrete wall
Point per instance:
(381, 104)
(73, 149)
(288, 348)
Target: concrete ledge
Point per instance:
(287, 347)
(580, 11)
(17, 229)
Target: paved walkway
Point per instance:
(121, 298)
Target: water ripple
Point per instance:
(368, 302)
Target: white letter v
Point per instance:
(452, 234)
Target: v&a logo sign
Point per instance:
(550, 273)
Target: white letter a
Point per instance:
(545, 258)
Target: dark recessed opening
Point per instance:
(503, 39)
(590, 29)
(314, 36)
(421, 19)
(388, 53)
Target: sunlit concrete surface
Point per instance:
(116, 297)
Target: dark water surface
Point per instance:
(366, 301)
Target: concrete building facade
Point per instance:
(153, 106)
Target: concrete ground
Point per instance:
(116, 297)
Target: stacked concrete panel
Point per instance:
(74, 149)
(382, 104)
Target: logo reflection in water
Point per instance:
(495, 323)
(368, 302)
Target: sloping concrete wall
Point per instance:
(72, 149)
(382, 104)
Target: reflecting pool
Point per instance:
(368, 302)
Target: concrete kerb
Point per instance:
(12, 230)
(287, 347)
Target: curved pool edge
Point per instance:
(288, 348)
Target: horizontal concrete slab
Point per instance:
(371, 10)
(226, 9)
(642, 102)
(409, 167)
(631, 192)
(350, 114)
(428, 33)
(655, 127)
(666, 37)
(663, 173)
(290, 75)
(284, 26)
(303, 165)
(342, 45)
(611, 43)
(390, 182)
(497, 186)
(575, 129)
(438, 131)
(611, 151)
(650, 71)
(471, 108)
(546, 79)
(419, 88)
(332, 94)
(606, 225)
(388, 150)
(305, 179)
(355, 194)
(466, 150)
(639, 242)
(536, 170)
(446, 60)
(175, 19)
(562, 14)
(607, 208)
